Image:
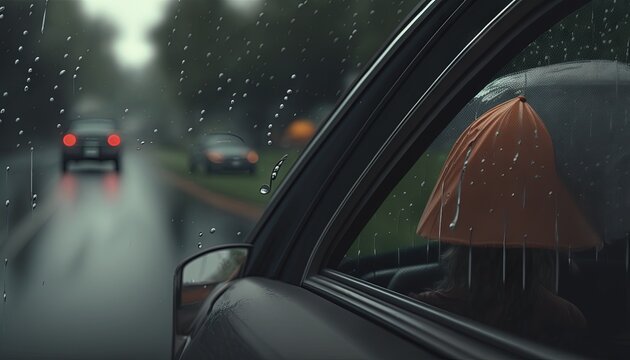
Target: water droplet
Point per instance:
(155, 131)
(212, 230)
(289, 91)
(62, 72)
(26, 88)
(293, 76)
(69, 38)
(199, 245)
(238, 233)
(200, 234)
(34, 205)
(62, 111)
(264, 189)
(269, 142)
(25, 32)
(34, 196)
(51, 99)
(7, 203)
(58, 126)
(274, 175)
(190, 129)
(36, 58)
(281, 106)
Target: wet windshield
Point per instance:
(97, 214)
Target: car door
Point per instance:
(295, 301)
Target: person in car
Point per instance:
(505, 216)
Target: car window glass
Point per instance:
(517, 214)
(106, 182)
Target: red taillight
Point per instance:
(113, 140)
(69, 140)
(252, 157)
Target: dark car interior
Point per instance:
(597, 286)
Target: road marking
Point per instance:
(222, 202)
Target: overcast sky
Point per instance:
(134, 20)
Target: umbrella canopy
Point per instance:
(586, 108)
(499, 187)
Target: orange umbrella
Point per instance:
(499, 187)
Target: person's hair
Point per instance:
(488, 293)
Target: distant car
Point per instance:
(91, 139)
(222, 152)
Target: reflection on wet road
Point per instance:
(89, 272)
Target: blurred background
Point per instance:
(88, 252)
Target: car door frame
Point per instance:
(300, 231)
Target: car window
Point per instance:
(97, 215)
(516, 216)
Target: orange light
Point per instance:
(252, 157)
(215, 157)
(113, 140)
(69, 140)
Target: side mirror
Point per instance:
(196, 281)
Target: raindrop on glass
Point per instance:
(199, 245)
(212, 230)
(264, 189)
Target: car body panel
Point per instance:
(295, 324)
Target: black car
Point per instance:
(332, 266)
(93, 140)
(222, 152)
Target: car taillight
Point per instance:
(215, 157)
(252, 157)
(113, 140)
(69, 140)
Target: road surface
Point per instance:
(89, 271)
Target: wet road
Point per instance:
(89, 272)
